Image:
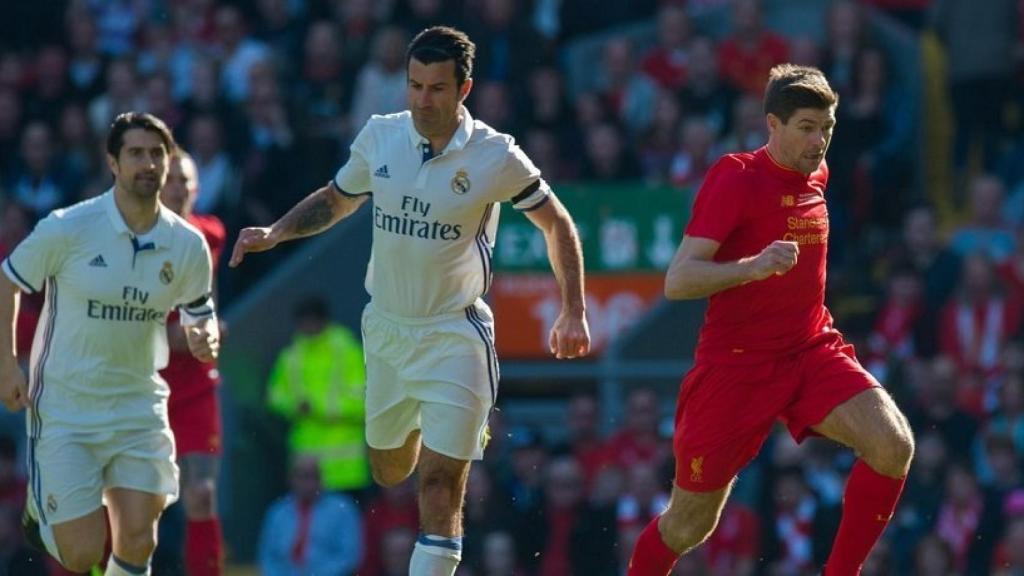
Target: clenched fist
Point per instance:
(776, 259)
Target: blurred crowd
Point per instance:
(267, 94)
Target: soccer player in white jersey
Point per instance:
(112, 268)
(437, 177)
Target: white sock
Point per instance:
(435, 556)
(118, 567)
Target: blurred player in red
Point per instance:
(193, 406)
(756, 244)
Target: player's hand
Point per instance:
(775, 260)
(570, 336)
(251, 240)
(13, 386)
(203, 342)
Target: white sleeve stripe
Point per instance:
(17, 278)
(536, 200)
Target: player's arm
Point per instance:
(314, 214)
(694, 273)
(13, 386)
(570, 336)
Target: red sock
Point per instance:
(651, 556)
(868, 503)
(203, 548)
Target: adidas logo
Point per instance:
(98, 262)
(382, 172)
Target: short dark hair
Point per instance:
(440, 44)
(311, 307)
(132, 120)
(791, 87)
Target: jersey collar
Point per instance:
(458, 141)
(161, 231)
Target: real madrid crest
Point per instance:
(167, 273)
(460, 183)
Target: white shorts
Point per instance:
(68, 472)
(438, 375)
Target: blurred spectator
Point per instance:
(734, 548)
(749, 130)
(667, 62)
(705, 94)
(80, 149)
(1008, 419)
(645, 498)
(85, 65)
(805, 51)
(922, 496)
(893, 335)
(50, 91)
(281, 28)
(845, 37)
(487, 510)
(216, 171)
(380, 87)
(318, 384)
(659, 143)
(581, 16)
(1009, 558)
(960, 514)
(117, 22)
(639, 441)
(934, 556)
(499, 556)
(506, 45)
(584, 438)
(982, 317)
(935, 384)
(565, 534)
(161, 51)
(979, 69)
(627, 92)
(986, 230)
(799, 531)
(322, 97)
(308, 531)
(607, 157)
(524, 479)
(122, 94)
(39, 181)
(357, 23)
(912, 13)
(492, 105)
(205, 95)
(696, 154)
(268, 153)
(750, 51)
(160, 101)
(416, 15)
(393, 511)
(10, 129)
(542, 146)
(546, 106)
(238, 52)
(396, 548)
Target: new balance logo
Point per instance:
(98, 262)
(382, 172)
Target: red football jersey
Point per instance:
(747, 202)
(187, 376)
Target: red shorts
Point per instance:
(725, 412)
(196, 424)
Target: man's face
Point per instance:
(434, 97)
(803, 141)
(179, 193)
(141, 166)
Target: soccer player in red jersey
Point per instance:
(193, 407)
(756, 246)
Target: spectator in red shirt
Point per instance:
(746, 56)
(667, 62)
(639, 442)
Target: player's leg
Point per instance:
(133, 523)
(203, 538)
(391, 467)
(442, 487)
(842, 401)
(878, 432)
(64, 512)
(141, 479)
(723, 416)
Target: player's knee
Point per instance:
(439, 488)
(200, 499)
(137, 546)
(683, 532)
(81, 556)
(388, 476)
(892, 456)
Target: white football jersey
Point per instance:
(102, 335)
(435, 217)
